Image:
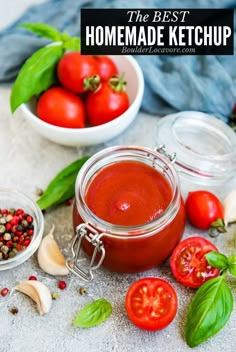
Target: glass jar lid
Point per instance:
(205, 146)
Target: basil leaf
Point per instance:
(62, 187)
(209, 311)
(36, 75)
(93, 314)
(217, 260)
(232, 264)
(72, 44)
(43, 30)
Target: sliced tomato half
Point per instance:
(188, 262)
(151, 303)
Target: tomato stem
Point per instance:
(216, 228)
(92, 83)
(118, 83)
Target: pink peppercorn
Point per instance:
(69, 202)
(20, 212)
(30, 232)
(62, 285)
(4, 291)
(29, 218)
(8, 226)
(26, 242)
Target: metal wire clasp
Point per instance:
(162, 149)
(87, 233)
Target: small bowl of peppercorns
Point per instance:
(21, 228)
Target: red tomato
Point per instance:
(105, 104)
(73, 68)
(188, 262)
(60, 107)
(203, 208)
(106, 67)
(151, 303)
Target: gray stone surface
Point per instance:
(29, 161)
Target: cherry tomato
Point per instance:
(151, 303)
(203, 208)
(59, 107)
(105, 104)
(106, 67)
(73, 68)
(188, 262)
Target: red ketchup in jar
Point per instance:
(131, 196)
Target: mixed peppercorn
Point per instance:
(16, 231)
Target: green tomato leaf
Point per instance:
(209, 311)
(36, 75)
(93, 314)
(217, 260)
(43, 30)
(232, 264)
(62, 187)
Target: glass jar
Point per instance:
(205, 149)
(125, 248)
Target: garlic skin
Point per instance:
(230, 208)
(39, 293)
(50, 258)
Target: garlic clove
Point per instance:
(230, 208)
(39, 293)
(50, 258)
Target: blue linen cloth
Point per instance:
(172, 83)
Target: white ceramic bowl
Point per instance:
(97, 134)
